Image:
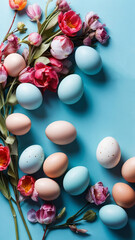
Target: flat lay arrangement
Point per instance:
(62, 171)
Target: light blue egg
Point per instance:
(113, 216)
(29, 96)
(88, 60)
(76, 180)
(70, 89)
(31, 159)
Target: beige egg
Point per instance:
(61, 132)
(14, 64)
(128, 170)
(123, 195)
(47, 189)
(55, 165)
(18, 123)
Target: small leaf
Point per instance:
(12, 100)
(53, 22)
(43, 47)
(47, 4)
(4, 188)
(43, 60)
(3, 128)
(62, 212)
(89, 216)
(10, 140)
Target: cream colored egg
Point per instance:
(128, 170)
(47, 189)
(55, 165)
(18, 123)
(14, 64)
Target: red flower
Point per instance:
(26, 185)
(70, 23)
(4, 157)
(27, 75)
(45, 77)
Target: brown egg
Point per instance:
(55, 165)
(128, 170)
(123, 195)
(47, 189)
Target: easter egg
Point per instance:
(47, 189)
(76, 180)
(88, 60)
(55, 165)
(113, 216)
(31, 159)
(70, 89)
(29, 96)
(128, 170)
(18, 123)
(108, 152)
(61, 132)
(14, 64)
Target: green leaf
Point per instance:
(47, 4)
(12, 100)
(39, 25)
(89, 216)
(43, 47)
(3, 128)
(62, 212)
(10, 140)
(53, 22)
(4, 188)
(44, 60)
(9, 93)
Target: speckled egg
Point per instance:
(113, 216)
(128, 170)
(70, 89)
(18, 123)
(76, 180)
(88, 60)
(61, 132)
(108, 152)
(31, 159)
(29, 96)
(55, 165)
(14, 64)
(47, 189)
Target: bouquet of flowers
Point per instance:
(43, 63)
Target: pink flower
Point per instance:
(87, 41)
(101, 35)
(60, 67)
(45, 215)
(70, 23)
(35, 39)
(4, 157)
(17, 4)
(45, 77)
(12, 45)
(96, 24)
(90, 18)
(1, 50)
(26, 185)
(63, 6)
(25, 54)
(3, 74)
(34, 12)
(97, 194)
(61, 47)
(27, 75)
(73, 228)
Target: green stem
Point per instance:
(47, 21)
(13, 200)
(15, 220)
(80, 210)
(5, 38)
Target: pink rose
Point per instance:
(3, 74)
(61, 67)
(63, 6)
(35, 39)
(101, 35)
(34, 12)
(27, 75)
(12, 45)
(97, 194)
(61, 47)
(45, 77)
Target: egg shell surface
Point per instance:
(128, 170)
(70, 89)
(108, 152)
(14, 64)
(88, 60)
(55, 165)
(61, 132)
(18, 124)
(123, 195)
(31, 159)
(47, 189)
(113, 216)
(29, 96)
(76, 180)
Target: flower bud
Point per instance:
(101, 35)
(63, 6)
(21, 27)
(34, 12)
(35, 39)
(3, 74)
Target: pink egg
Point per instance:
(14, 64)
(18, 123)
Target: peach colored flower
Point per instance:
(17, 4)
(26, 185)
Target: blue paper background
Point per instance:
(106, 109)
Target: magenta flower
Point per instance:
(90, 18)
(60, 67)
(27, 75)
(25, 54)
(63, 6)
(1, 50)
(61, 47)
(73, 228)
(97, 194)
(34, 12)
(101, 35)
(4, 157)
(35, 39)
(12, 45)
(3, 74)
(45, 215)
(26, 185)
(87, 41)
